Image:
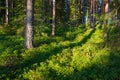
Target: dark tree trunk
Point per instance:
(91, 14)
(2, 12)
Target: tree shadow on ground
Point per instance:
(109, 70)
(10, 42)
(63, 33)
(15, 70)
(83, 41)
(98, 71)
(3, 38)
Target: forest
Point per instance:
(59, 39)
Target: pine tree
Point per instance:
(53, 19)
(29, 25)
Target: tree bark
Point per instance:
(7, 12)
(53, 19)
(29, 24)
(91, 14)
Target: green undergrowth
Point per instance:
(75, 53)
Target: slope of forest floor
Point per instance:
(75, 53)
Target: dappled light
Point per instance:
(65, 40)
(87, 56)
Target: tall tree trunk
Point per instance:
(2, 12)
(7, 12)
(91, 14)
(53, 19)
(97, 5)
(107, 7)
(12, 9)
(29, 24)
(82, 10)
(106, 10)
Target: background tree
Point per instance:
(53, 19)
(2, 12)
(7, 12)
(115, 5)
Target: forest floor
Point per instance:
(75, 53)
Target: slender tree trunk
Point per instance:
(29, 24)
(49, 11)
(96, 6)
(106, 7)
(12, 11)
(53, 19)
(2, 12)
(7, 12)
(82, 10)
(105, 22)
(91, 14)
(106, 10)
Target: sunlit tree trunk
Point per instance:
(107, 7)
(29, 24)
(53, 19)
(105, 10)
